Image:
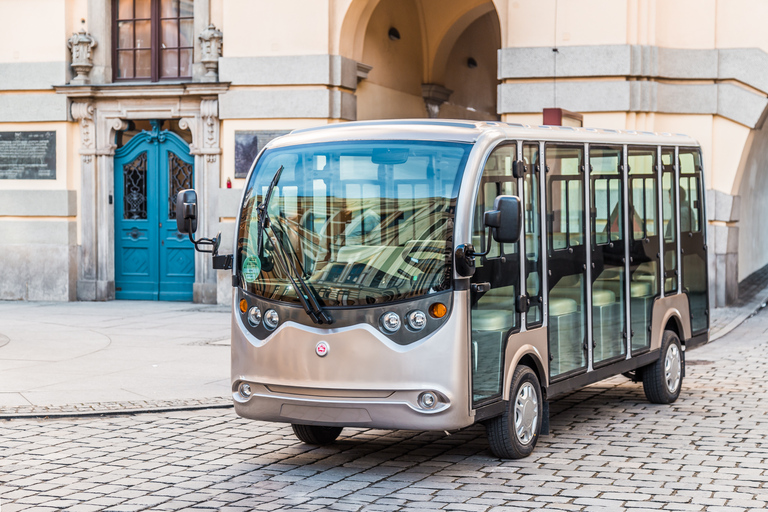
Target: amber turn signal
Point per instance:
(438, 310)
(243, 305)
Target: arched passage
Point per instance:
(752, 206)
(427, 57)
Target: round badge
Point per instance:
(322, 348)
(251, 268)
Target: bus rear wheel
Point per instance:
(314, 434)
(513, 435)
(663, 379)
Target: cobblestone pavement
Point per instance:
(609, 450)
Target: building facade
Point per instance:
(107, 107)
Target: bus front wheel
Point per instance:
(663, 379)
(313, 434)
(513, 435)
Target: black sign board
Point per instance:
(28, 155)
(247, 146)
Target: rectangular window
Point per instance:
(669, 221)
(153, 39)
(532, 219)
(567, 258)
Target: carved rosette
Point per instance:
(210, 42)
(81, 44)
(82, 112)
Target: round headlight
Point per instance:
(427, 400)
(245, 390)
(390, 322)
(271, 319)
(417, 320)
(254, 316)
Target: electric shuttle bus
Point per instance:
(427, 274)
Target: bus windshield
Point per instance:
(360, 222)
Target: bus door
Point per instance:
(692, 238)
(608, 272)
(644, 244)
(669, 219)
(567, 263)
(495, 283)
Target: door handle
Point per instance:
(480, 287)
(134, 234)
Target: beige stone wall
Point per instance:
(690, 66)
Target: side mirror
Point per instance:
(505, 219)
(186, 211)
(465, 260)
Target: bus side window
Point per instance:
(532, 220)
(669, 221)
(567, 258)
(693, 239)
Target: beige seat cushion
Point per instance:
(492, 320)
(602, 297)
(561, 306)
(640, 288)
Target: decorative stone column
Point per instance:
(83, 113)
(434, 95)
(210, 41)
(81, 44)
(206, 149)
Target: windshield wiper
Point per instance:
(262, 209)
(304, 293)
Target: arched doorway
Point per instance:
(428, 58)
(153, 261)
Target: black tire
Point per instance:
(313, 434)
(526, 406)
(663, 379)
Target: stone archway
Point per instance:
(742, 215)
(101, 113)
(416, 48)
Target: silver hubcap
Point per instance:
(672, 368)
(526, 413)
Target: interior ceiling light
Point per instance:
(471, 63)
(394, 34)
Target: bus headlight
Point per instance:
(245, 390)
(427, 400)
(417, 320)
(271, 319)
(254, 316)
(390, 322)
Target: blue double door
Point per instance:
(153, 261)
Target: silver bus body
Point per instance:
(365, 379)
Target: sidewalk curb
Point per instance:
(750, 309)
(111, 412)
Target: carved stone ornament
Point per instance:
(82, 112)
(210, 41)
(81, 44)
(434, 96)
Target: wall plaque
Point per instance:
(248, 143)
(28, 155)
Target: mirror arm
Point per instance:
(220, 261)
(487, 249)
(202, 243)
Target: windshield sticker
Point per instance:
(251, 269)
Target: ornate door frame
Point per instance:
(103, 111)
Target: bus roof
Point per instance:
(470, 131)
